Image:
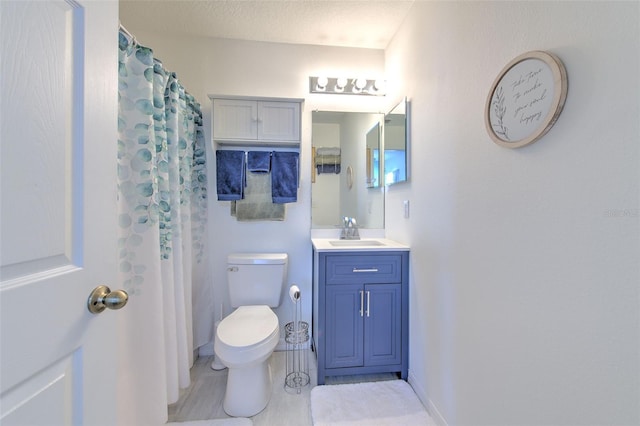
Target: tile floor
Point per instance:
(203, 399)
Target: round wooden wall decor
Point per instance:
(526, 99)
(349, 177)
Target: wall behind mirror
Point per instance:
(372, 155)
(331, 195)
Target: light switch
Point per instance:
(406, 209)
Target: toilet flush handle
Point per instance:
(232, 269)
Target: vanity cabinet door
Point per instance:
(382, 324)
(363, 325)
(344, 326)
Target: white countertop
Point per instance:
(324, 244)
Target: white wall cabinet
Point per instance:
(247, 121)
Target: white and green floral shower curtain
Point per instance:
(162, 216)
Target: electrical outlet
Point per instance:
(406, 209)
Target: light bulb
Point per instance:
(341, 83)
(361, 83)
(321, 82)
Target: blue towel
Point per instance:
(259, 161)
(230, 178)
(284, 177)
(328, 168)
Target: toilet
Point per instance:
(246, 338)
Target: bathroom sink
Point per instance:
(369, 243)
(356, 243)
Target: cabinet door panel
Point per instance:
(279, 121)
(383, 331)
(344, 326)
(235, 119)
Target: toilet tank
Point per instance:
(256, 278)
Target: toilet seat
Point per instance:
(248, 334)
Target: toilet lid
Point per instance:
(248, 325)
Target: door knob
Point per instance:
(102, 297)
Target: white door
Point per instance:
(58, 211)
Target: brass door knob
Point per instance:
(102, 297)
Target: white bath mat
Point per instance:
(235, 421)
(391, 403)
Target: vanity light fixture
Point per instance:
(346, 86)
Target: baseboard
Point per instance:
(435, 414)
(419, 390)
(429, 405)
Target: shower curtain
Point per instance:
(162, 199)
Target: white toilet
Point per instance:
(247, 337)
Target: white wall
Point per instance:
(231, 67)
(524, 263)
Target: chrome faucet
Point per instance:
(349, 229)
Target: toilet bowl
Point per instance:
(244, 342)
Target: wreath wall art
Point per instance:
(526, 99)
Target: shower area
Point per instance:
(162, 224)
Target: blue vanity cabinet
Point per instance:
(361, 313)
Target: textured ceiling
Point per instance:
(349, 23)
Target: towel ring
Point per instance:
(349, 177)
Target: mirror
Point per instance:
(339, 140)
(396, 145)
(355, 155)
(373, 156)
